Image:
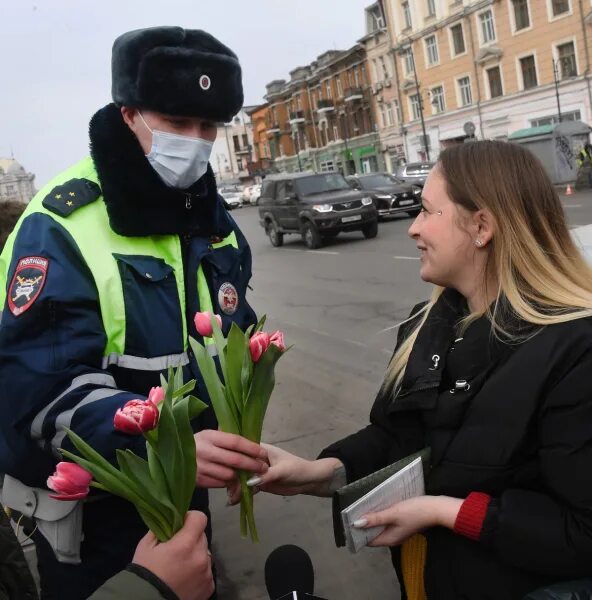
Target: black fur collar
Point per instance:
(138, 202)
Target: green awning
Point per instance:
(531, 132)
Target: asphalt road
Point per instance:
(337, 305)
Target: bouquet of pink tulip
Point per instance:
(241, 395)
(160, 486)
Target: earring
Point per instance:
(478, 243)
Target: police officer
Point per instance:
(102, 277)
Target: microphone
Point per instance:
(289, 570)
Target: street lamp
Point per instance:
(556, 80)
(296, 136)
(419, 99)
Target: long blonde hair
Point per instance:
(541, 273)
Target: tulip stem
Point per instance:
(247, 513)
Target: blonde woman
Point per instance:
(495, 375)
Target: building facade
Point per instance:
(234, 150)
(322, 118)
(385, 93)
(487, 66)
(15, 182)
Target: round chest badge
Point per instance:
(205, 82)
(228, 298)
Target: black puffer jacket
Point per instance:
(520, 430)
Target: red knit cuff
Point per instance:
(471, 515)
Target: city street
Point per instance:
(336, 306)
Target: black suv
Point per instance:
(390, 196)
(315, 205)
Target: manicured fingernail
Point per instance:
(254, 481)
(360, 523)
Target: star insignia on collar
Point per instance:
(58, 196)
(69, 203)
(71, 194)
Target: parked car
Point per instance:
(414, 173)
(232, 196)
(390, 196)
(317, 206)
(246, 194)
(255, 193)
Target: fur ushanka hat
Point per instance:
(185, 72)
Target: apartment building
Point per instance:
(233, 152)
(384, 92)
(488, 66)
(322, 118)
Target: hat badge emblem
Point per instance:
(205, 82)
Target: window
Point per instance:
(384, 68)
(408, 61)
(236, 143)
(494, 78)
(339, 87)
(566, 56)
(397, 110)
(574, 115)
(464, 90)
(437, 99)
(389, 114)
(559, 7)
(432, 49)
(357, 78)
(458, 39)
(364, 78)
(406, 14)
(374, 69)
(521, 16)
(374, 20)
(383, 114)
(245, 141)
(431, 8)
(328, 90)
(487, 27)
(335, 133)
(529, 75)
(415, 106)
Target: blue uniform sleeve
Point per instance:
(51, 349)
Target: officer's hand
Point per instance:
(220, 455)
(184, 562)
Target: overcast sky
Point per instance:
(55, 58)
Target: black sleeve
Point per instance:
(550, 530)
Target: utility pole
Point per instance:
(419, 99)
(556, 79)
(296, 135)
(345, 165)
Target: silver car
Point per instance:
(414, 173)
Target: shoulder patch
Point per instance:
(27, 282)
(66, 198)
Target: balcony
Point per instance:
(325, 106)
(242, 150)
(273, 129)
(353, 94)
(297, 117)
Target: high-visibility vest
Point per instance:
(90, 229)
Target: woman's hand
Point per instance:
(220, 455)
(404, 519)
(289, 474)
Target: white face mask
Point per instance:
(180, 160)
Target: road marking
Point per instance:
(323, 252)
(406, 257)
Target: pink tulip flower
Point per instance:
(137, 416)
(258, 344)
(277, 339)
(203, 323)
(70, 481)
(156, 395)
